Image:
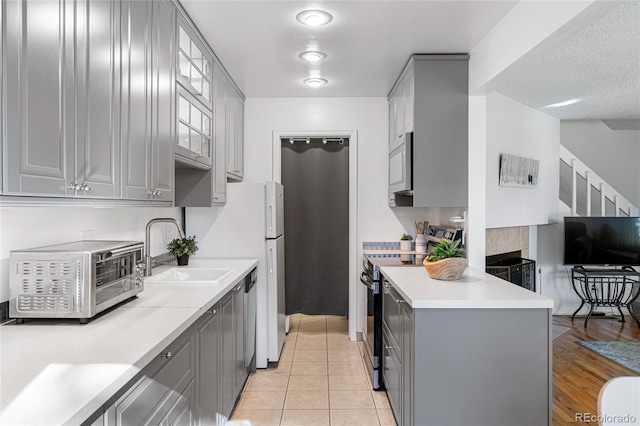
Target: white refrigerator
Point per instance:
(251, 225)
(275, 267)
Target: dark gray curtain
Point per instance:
(316, 226)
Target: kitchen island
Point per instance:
(476, 351)
(60, 372)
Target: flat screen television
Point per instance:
(603, 241)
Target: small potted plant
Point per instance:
(405, 242)
(182, 248)
(446, 261)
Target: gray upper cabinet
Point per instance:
(219, 193)
(195, 85)
(163, 100)
(38, 64)
(136, 99)
(235, 133)
(93, 99)
(148, 102)
(97, 156)
(430, 100)
(195, 72)
(200, 150)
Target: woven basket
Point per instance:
(446, 269)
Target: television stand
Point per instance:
(614, 288)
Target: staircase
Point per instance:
(583, 184)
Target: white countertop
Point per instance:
(475, 290)
(61, 372)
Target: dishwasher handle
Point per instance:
(251, 280)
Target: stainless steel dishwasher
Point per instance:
(250, 306)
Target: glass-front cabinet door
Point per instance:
(195, 106)
(194, 129)
(194, 65)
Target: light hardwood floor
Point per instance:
(320, 380)
(578, 373)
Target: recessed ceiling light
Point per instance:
(315, 82)
(314, 18)
(312, 56)
(565, 103)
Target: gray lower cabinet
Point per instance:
(227, 354)
(208, 404)
(148, 99)
(196, 380)
(396, 362)
(183, 411)
(165, 390)
(233, 372)
(407, 365)
(238, 315)
(481, 367)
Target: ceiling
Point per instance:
(368, 42)
(600, 65)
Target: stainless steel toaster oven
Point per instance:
(73, 280)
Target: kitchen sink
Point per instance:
(190, 275)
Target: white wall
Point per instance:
(367, 116)
(477, 181)
(516, 129)
(612, 154)
(376, 221)
(29, 227)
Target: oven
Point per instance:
(370, 277)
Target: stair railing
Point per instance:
(594, 180)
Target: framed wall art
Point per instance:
(518, 172)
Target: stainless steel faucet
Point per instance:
(147, 240)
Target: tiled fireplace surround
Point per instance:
(505, 240)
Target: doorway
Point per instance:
(315, 174)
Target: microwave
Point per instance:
(73, 280)
(400, 167)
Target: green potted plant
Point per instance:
(446, 261)
(182, 248)
(405, 242)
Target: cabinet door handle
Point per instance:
(166, 355)
(399, 301)
(75, 187)
(212, 311)
(388, 347)
(387, 285)
(86, 187)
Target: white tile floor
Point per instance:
(320, 380)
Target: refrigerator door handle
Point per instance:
(270, 217)
(270, 260)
